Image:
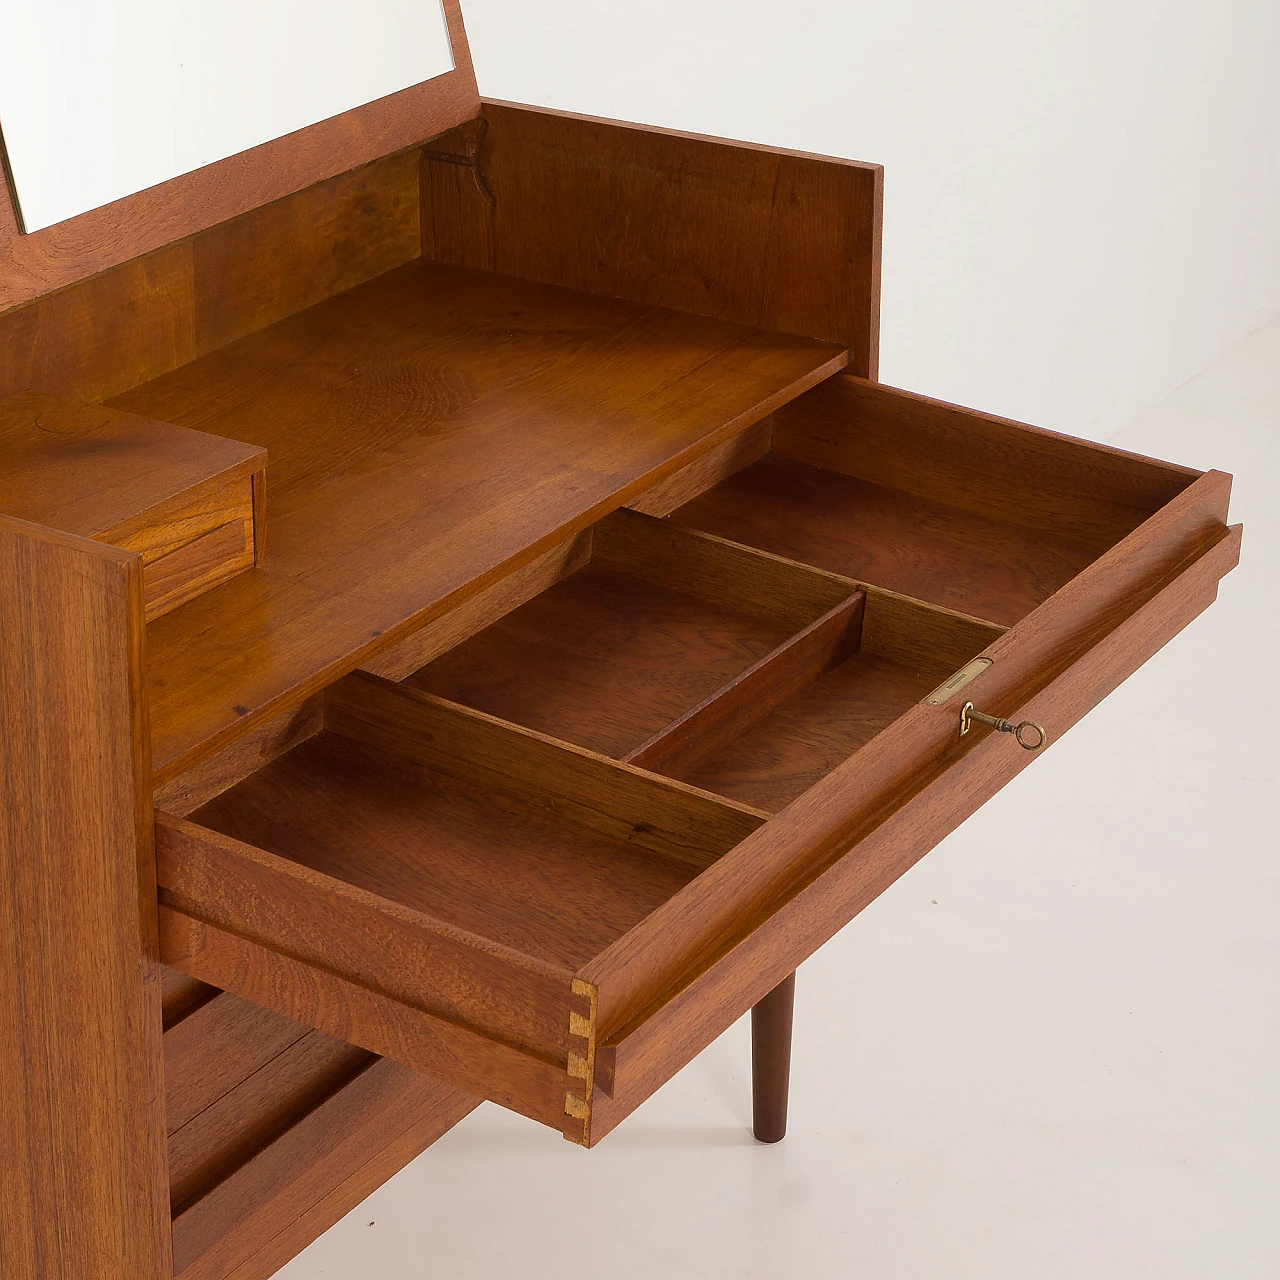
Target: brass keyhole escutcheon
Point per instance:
(1035, 735)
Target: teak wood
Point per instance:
(84, 1190)
(580, 698)
(771, 1060)
(192, 505)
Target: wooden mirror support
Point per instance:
(471, 625)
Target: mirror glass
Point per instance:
(103, 98)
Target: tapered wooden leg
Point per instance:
(771, 1060)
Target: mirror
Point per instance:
(100, 100)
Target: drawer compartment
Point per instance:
(893, 651)
(201, 541)
(654, 621)
(944, 504)
(631, 788)
(426, 882)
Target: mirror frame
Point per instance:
(36, 263)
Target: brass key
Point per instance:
(968, 715)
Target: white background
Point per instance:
(102, 98)
(1082, 197)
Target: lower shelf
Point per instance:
(277, 1131)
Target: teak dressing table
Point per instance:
(471, 624)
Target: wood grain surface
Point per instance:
(615, 799)
(782, 755)
(740, 578)
(313, 1172)
(236, 1077)
(976, 564)
(181, 995)
(500, 869)
(482, 609)
(602, 659)
(733, 710)
(776, 239)
(430, 432)
(1086, 494)
(899, 652)
(83, 1182)
(97, 472)
(201, 564)
(135, 322)
(71, 251)
(983, 515)
(346, 928)
(658, 622)
(706, 472)
(222, 770)
(238, 1124)
(533, 1084)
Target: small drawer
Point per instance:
(610, 803)
(192, 505)
(194, 543)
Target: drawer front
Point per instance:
(551, 864)
(644, 1053)
(193, 543)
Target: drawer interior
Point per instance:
(745, 674)
(894, 652)
(462, 845)
(943, 504)
(529, 850)
(652, 624)
(486, 859)
(922, 547)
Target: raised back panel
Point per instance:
(149, 316)
(779, 240)
(71, 251)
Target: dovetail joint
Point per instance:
(582, 1066)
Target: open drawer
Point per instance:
(604, 809)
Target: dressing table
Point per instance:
(471, 625)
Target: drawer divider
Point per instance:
(733, 708)
(728, 573)
(665, 816)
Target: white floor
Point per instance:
(1051, 1050)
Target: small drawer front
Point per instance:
(623, 797)
(193, 543)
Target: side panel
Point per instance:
(84, 1189)
(777, 239)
